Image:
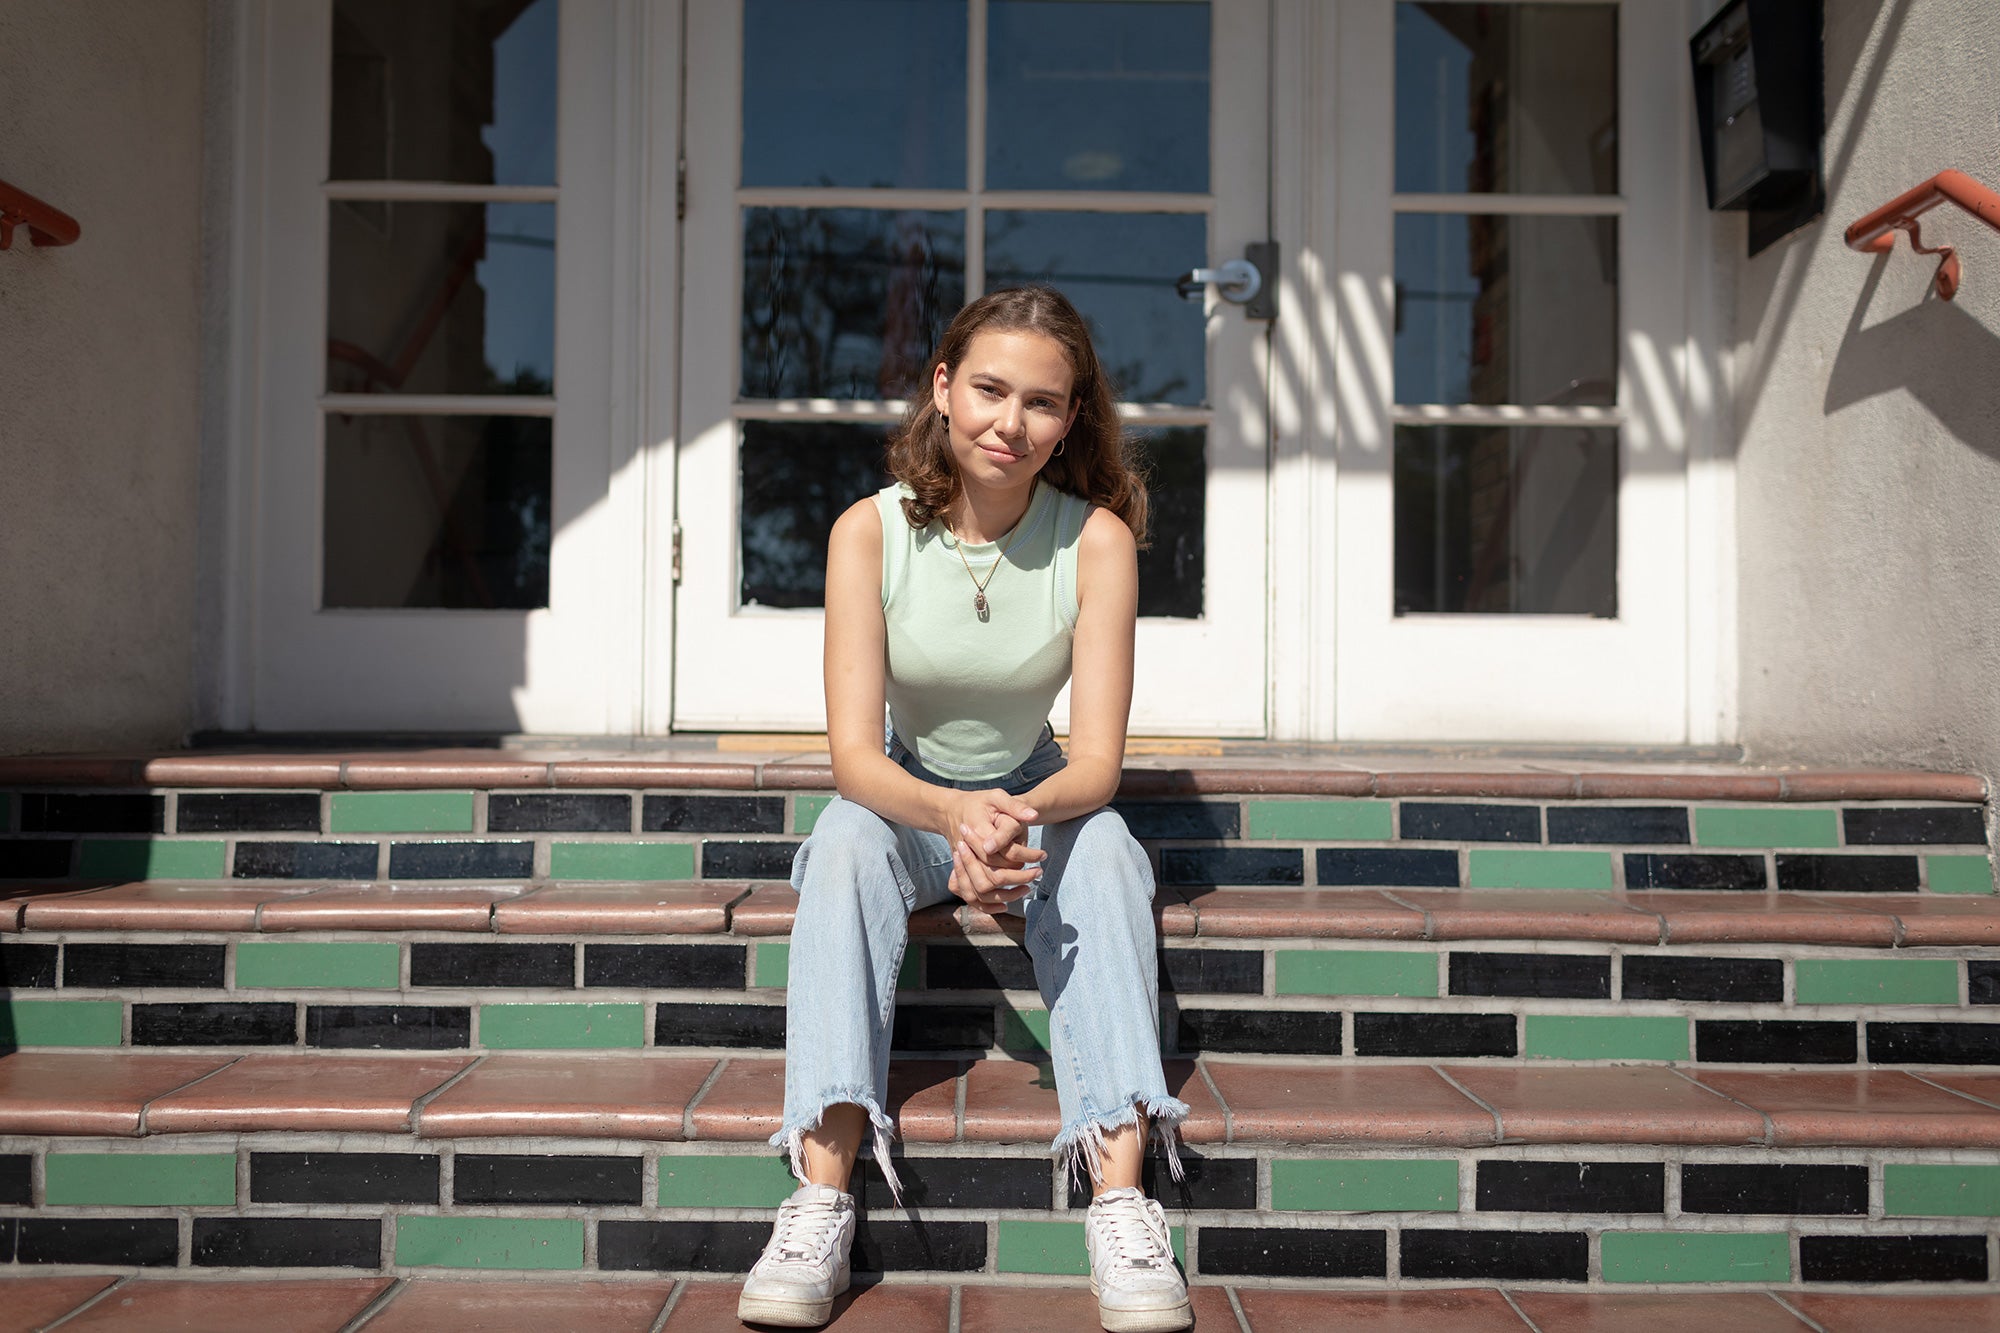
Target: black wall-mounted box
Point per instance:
(1758, 94)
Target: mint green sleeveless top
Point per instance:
(967, 697)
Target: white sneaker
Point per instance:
(1132, 1272)
(804, 1265)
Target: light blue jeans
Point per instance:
(1089, 932)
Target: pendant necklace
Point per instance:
(979, 605)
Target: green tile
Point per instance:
(528, 1027)
(401, 812)
(1877, 981)
(150, 858)
(142, 1180)
(1765, 826)
(621, 860)
(1325, 821)
(724, 1182)
(1357, 972)
(1025, 1030)
(773, 966)
(1912, 1189)
(1605, 1037)
(1365, 1185)
(351, 964)
(61, 1022)
(1959, 874)
(805, 811)
(489, 1242)
(1509, 868)
(1055, 1247)
(1697, 1256)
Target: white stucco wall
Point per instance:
(100, 115)
(1868, 422)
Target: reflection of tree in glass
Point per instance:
(797, 477)
(1173, 567)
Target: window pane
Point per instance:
(1507, 519)
(796, 478)
(854, 93)
(1498, 97)
(1110, 95)
(437, 511)
(463, 92)
(1172, 568)
(846, 302)
(1119, 269)
(1506, 309)
(441, 298)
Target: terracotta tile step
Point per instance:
(670, 1098)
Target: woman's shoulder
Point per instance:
(1104, 534)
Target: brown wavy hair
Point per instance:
(1097, 462)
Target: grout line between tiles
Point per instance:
(368, 1312)
(1515, 1306)
(1499, 1131)
(1770, 1129)
(1236, 1306)
(94, 1300)
(687, 1112)
(667, 1308)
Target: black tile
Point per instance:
(694, 1247)
(9, 1230)
(1212, 971)
(1934, 1043)
(1521, 1256)
(478, 1178)
(1807, 872)
(1571, 1187)
(665, 966)
(747, 860)
(287, 1242)
(1628, 824)
(1950, 825)
(96, 812)
(1819, 1189)
(1293, 1252)
(963, 967)
(713, 814)
(217, 1024)
(759, 1025)
(17, 1179)
(1435, 1035)
(942, 1027)
(955, 1182)
(27, 966)
(247, 812)
(1258, 1031)
(1182, 819)
(389, 1027)
(1464, 821)
(1680, 977)
(1570, 976)
(558, 812)
(143, 964)
(1892, 1259)
(305, 860)
(343, 1177)
(1982, 977)
(36, 858)
(124, 1242)
(1232, 865)
(1388, 867)
(1700, 870)
(461, 860)
(546, 965)
(1773, 1041)
(888, 1244)
(1208, 1182)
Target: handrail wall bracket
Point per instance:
(46, 224)
(1876, 233)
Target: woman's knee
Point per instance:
(1101, 850)
(849, 847)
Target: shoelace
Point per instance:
(1135, 1240)
(805, 1230)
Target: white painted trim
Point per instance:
(1521, 205)
(1054, 201)
(1468, 414)
(437, 404)
(661, 282)
(876, 409)
(440, 192)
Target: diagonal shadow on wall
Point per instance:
(1935, 350)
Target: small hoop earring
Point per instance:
(1059, 447)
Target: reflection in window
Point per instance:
(1504, 97)
(846, 302)
(1119, 269)
(1097, 95)
(426, 511)
(1520, 519)
(1506, 309)
(854, 93)
(451, 298)
(796, 478)
(462, 92)
(1172, 568)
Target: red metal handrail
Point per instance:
(1876, 233)
(46, 224)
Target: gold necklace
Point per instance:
(979, 605)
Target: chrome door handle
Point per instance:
(1238, 280)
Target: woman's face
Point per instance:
(1009, 404)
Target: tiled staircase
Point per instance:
(1490, 1044)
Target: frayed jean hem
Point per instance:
(791, 1138)
(1080, 1146)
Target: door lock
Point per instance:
(1240, 281)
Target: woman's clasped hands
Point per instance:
(992, 864)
